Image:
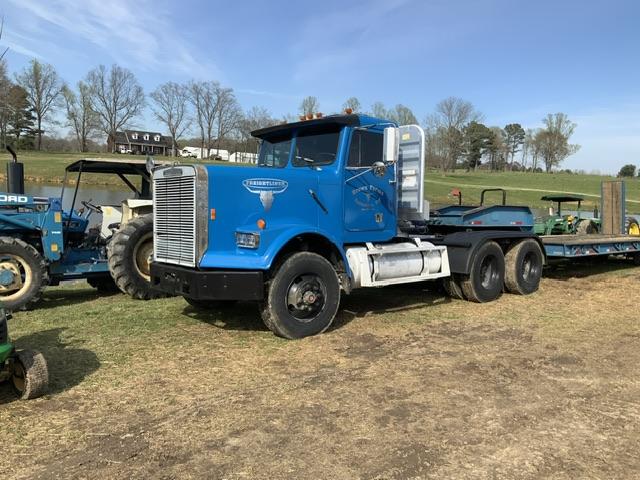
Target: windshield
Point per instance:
(316, 149)
(274, 152)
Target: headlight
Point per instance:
(247, 240)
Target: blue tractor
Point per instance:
(42, 244)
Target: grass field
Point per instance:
(406, 384)
(523, 188)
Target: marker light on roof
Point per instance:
(348, 111)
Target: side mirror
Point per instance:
(379, 169)
(150, 164)
(390, 149)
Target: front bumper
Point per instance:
(208, 284)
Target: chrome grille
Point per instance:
(174, 219)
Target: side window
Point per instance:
(274, 154)
(316, 149)
(365, 149)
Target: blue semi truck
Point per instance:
(335, 203)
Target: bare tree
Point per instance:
(402, 115)
(447, 123)
(553, 140)
(204, 98)
(379, 110)
(309, 106)
(254, 119)
(43, 87)
(229, 115)
(353, 104)
(170, 107)
(80, 116)
(116, 97)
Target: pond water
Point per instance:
(98, 194)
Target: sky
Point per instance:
(515, 60)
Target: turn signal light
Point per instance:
(213, 214)
(261, 224)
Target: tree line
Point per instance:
(110, 99)
(457, 138)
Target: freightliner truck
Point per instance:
(335, 203)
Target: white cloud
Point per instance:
(137, 34)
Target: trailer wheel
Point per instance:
(486, 279)
(210, 304)
(129, 252)
(23, 274)
(453, 286)
(302, 297)
(631, 226)
(30, 376)
(523, 267)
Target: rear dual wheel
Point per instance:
(519, 272)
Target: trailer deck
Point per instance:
(571, 246)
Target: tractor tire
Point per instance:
(452, 285)
(25, 262)
(302, 296)
(586, 227)
(104, 285)
(631, 226)
(129, 253)
(486, 279)
(30, 376)
(523, 267)
(210, 304)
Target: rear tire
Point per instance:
(129, 253)
(30, 376)
(586, 227)
(486, 280)
(452, 285)
(302, 297)
(23, 263)
(523, 267)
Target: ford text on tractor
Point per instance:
(43, 244)
(335, 203)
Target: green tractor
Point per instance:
(574, 223)
(25, 369)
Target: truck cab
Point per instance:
(334, 203)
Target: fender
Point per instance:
(275, 239)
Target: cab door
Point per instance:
(369, 192)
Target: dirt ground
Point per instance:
(407, 385)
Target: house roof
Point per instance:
(125, 137)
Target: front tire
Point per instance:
(129, 252)
(23, 274)
(30, 376)
(523, 267)
(486, 279)
(302, 297)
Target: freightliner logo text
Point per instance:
(266, 188)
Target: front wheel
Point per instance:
(30, 376)
(303, 296)
(486, 279)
